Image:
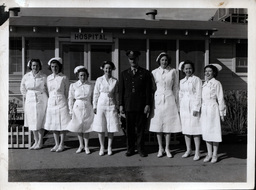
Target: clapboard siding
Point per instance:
(224, 54)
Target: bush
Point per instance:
(236, 116)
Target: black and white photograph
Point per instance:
(136, 95)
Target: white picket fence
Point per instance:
(19, 137)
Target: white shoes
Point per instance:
(87, 151)
(101, 153)
(160, 153)
(214, 159)
(196, 157)
(168, 154)
(110, 151)
(79, 150)
(207, 158)
(187, 154)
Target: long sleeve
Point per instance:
(23, 89)
(91, 93)
(66, 86)
(71, 97)
(181, 94)
(121, 90)
(175, 86)
(116, 95)
(220, 98)
(197, 95)
(96, 94)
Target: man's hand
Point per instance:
(147, 110)
(121, 109)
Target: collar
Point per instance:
(167, 69)
(211, 81)
(37, 74)
(79, 83)
(185, 79)
(131, 69)
(135, 68)
(51, 77)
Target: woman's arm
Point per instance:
(221, 101)
(71, 97)
(23, 88)
(96, 94)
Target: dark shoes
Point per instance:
(143, 154)
(129, 153)
(132, 152)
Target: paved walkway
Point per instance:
(67, 166)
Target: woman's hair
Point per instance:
(34, 60)
(58, 63)
(82, 70)
(187, 62)
(168, 58)
(214, 70)
(108, 63)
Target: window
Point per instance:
(15, 72)
(241, 58)
(39, 48)
(15, 55)
(99, 53)
(72, 56)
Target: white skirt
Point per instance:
(189, 123)
(82, 117)
(57, 115)
(210, 122)
(165, 117)
(35, 110)
(106, 120)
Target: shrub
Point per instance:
(236, 116)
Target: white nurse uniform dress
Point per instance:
(80, 107)
(34, 89)
(213, 106)
(57, 115)
(165, 117)
(190, 96)
(105, 99)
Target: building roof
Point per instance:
(170, 19)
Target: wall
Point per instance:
(224, 54)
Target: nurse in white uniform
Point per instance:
(80, 108)
(33, 88)
(105, 104)
(213, 111)
(190, 95)
(165, 117)
(57, 115)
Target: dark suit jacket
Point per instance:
(135, 90)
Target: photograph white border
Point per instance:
(4, 62)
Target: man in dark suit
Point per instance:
(135, 100)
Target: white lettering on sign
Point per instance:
(91, 37)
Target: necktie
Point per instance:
(134, 71)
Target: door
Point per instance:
(98, 53)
